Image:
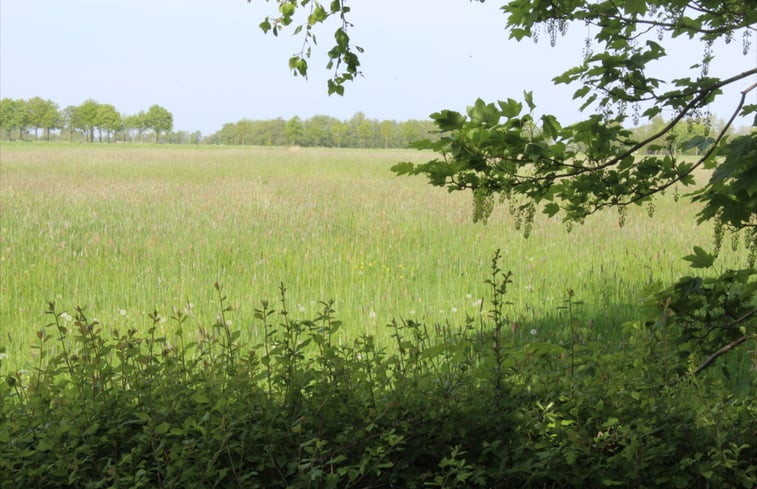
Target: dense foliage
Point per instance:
(449, 406)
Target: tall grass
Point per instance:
(125, 230)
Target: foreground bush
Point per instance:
(447, 407)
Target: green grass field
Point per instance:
(123, 230)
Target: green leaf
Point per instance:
(403, 168)
(200, 398)
(342, 39)
(551, 209)
(287, 9)
(544, 349)
(318, 15)
(550, 126)
(700, 258)
(511, 108)
(588, 102)
(448, 120)
(635, 7)
(45, 444)
(581, 92)
(699, 142)
(529, 96)
(483, 113)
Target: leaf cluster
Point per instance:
(343, 55)
(579, 169)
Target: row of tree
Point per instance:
(90, 121)
(324, 131)
(18, 117)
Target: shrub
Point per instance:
(446, 407)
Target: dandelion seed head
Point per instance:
(372, 314)
(122, 312)
(533, 332)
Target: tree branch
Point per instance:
(704, 157)
(730, 346)
(702, 96)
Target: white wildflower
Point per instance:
(372, 314)
(122, 312)
(533, 332)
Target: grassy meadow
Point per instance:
(123, 230)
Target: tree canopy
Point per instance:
(159, 120)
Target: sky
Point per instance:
(208, 63)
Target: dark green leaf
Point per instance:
(700, 258)
(511, 108)
(551, 209)
(448, 120)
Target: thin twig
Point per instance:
(730, 346)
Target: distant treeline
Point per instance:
(91, 121)
(18, 118)
(324, 131)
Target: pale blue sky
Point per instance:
(208, 63)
